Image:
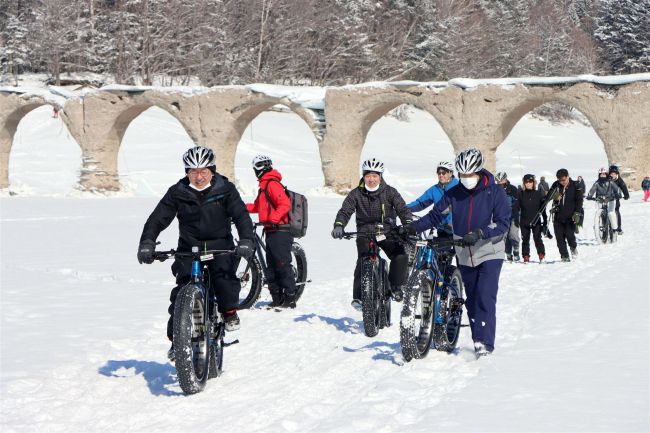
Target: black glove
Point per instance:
(472, 237)
(576, 217)
(337, 232)
(145, 251)
(245, 249)
(406, 231)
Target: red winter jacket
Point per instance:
(276, 211)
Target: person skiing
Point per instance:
(375, 202)
(446, 180)
(615, 176)
(607, 190)
(512, 239)
(272, 204)
(531, 202)
(567, 212)
(645, 186)
(481, 218)
(543, 185)
(204, 202)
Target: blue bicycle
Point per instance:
(433, 299)
(199, 328)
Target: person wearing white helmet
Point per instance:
(446, 180)
(512, 240)
(375, 202)
(606, 189)
(204, 202)
(481, 218)
(273, 205)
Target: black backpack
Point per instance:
(297, 213)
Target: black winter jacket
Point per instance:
(530, 202)
(570, 200)
(621, 185)
(381, 206)
(204, 217)
(512, 193)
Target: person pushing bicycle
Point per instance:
(481, 216)
(205, 203)
(272, 204)
(605, 189)
(375, 202)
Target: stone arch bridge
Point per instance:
(473, 113)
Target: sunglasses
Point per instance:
(530, 181)
(443, 172)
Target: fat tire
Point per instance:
(369, 299)
(216, 356)
(299, 264)
(446, 335)
(250, 282)
(415, 340)
(191, 343)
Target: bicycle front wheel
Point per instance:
(451, 311)
(416, 319)
(370, 302)
(191, 344)
(249, 273)
(299, 264)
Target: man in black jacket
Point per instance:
(531, 203)
(616, 178)
(205, 203)
(567, 212)
(512, 238)
(375, 202)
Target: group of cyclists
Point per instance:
(485, 212)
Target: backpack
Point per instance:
(297, 212)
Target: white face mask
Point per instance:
(372, 189)
(469, 182)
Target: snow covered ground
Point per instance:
(83, 324)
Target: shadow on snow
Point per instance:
(158, 376)
(343, 324)
(383, 351)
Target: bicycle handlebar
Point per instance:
(203, 256)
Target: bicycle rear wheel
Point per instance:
(191, 345)
(370, 302)
(384, 296)
(216, 355)
(249, 272)
(446, 333)
(416, 319)
(299, 264)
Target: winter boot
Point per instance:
(574, 252)
(232, 320)
(356, 304)
(509, 257)
(566, 259)
(541, 257)
(397, 294)
(516, 255)
(526, 259)
(289, 300)
(481, 349)
(170, 354)
(276, 299)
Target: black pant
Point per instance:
(565, 233)
(618, 213)
(223, 282)
(279, 274)
(537, 237)
(398, 263)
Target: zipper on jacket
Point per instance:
(469, 223)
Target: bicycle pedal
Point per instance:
(231, 343)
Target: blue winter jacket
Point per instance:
(433, 196)
(485, 207)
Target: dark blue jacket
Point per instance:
(485, 207)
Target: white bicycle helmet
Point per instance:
(198, 157)
(469, 161)
(262, 162)
(500, 176)
(372, 164)
(602, 170)
(446, 165)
